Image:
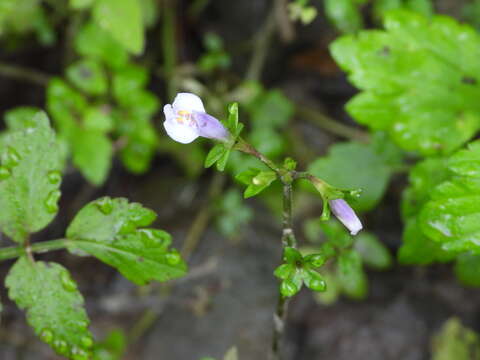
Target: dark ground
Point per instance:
(230, 294)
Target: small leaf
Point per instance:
(88, 76)
(214, 155)
(284, 271)
(313, 280)
(351, 276)
(344, 14)
(467, 269)
(127, 80)
(222, 161)
(454, 341)
(256, 180)
(373, 253)
(28, 194)
(292, 256)
(112, 347)
(54, 306)
(109, 230)
(123, 20)
(232, 121)
(315, 260)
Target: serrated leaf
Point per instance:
(109, 229)
(466, 162)
(92, 154)
(30, 164)
(123, 20)
(88, 76)
(94, 42)
(341, 169)
(54, 306)
(351, 276)
(467, 269)
(433, 116)
(372, 251)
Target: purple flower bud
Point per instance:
(186, 119)
(346, 215)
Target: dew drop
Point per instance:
(79, 354)
(4, 173)
(173, 257)
(47, 335)
(51, 201)
(10, 157)
(105, 205)
(61, 347)
(54, 177)
(87, 342)
(67, 282)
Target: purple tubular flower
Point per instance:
(346, 215)
(210, 127)
(186, 119)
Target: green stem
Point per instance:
(13, 252)
(332, 126)
(246, 148)
(22, 73)
(169, 48)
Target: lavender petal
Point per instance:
(210, 127)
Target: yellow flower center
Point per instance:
(184, 116)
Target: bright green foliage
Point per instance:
(454, 341)
(351, 276)
(109, 229)
(81, 4)
(373, 253)
(345, 14)
(381, 7)
(452, 215)
(232, 213)
(298, 270)
(112, 347)
(93, 42)
(354, 165)
(123, 20)
(256, 181)
(20, 118)
(28, 203)
(419, 80)
(53, 304)
(88, 76)
(467, 269)
(299, 10)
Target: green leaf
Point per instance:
(418, 249)
(112, 347)
(30, 164)
(232, 121)
(316, 260)
(21, 117)
(54, 306)
(351, 276)
(88, 76)
(284, 271)
(123, 20)
(222, 162)
(94, 42)
(433, 116)
(98, 118)
(215, 154)
(92, 154)
(137, 156)
(467, 269)
(271, 110)
(344, 14)
(232, 213)
(80, 4)
(289, 287)
(332, 292)
(109, 230)
(382, 7)
(341, 169)
(336, 233)
(372, 251)
(256, 180)
(313, 280)
(454, 341)
(292, 256)
(126, 80)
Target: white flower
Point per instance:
(346, 215)
(186, 119)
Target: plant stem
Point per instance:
(22, 73)
(40, 247)
(169, 48)
(332, 126)
(245, 147)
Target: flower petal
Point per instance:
(346, 215)
(210, 127)
(182, 133)
(189, 102)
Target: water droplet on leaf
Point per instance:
(51, 201)
(105, 205)
(67, 282)
(10, 157)
(47, 335)
(4, 173)
(54, 177)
